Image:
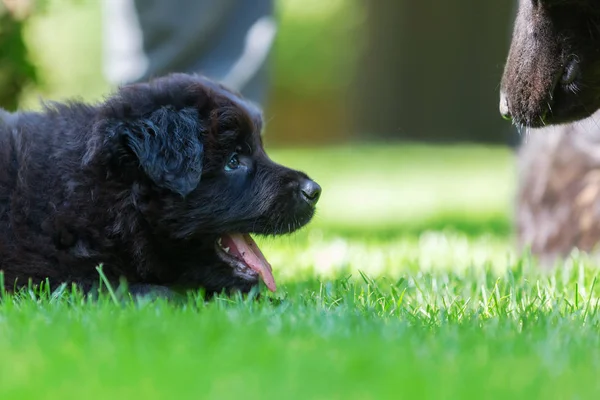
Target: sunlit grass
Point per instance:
(489, 328)
(399, 185)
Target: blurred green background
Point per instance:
(391, 106)
(342, 69)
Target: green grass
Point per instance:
(410, 187)
(441, 311)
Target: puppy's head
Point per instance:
(552, 74)
(192, 152)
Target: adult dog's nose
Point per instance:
(504, 111)
(310, 191)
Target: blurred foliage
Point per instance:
(318, 45)
(16, 69)
(315, 52)
(65, 40)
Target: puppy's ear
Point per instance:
(168, 147)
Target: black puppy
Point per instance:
(162, 184)
(552, 74)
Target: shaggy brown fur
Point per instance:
(558, 203)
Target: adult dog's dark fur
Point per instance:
(552, 74)
(145, 184)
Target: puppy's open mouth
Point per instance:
(240, 251)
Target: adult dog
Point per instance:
(552, 80)
(162, 184)
(552, 74)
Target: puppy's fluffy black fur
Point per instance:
(140, 184)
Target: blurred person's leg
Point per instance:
(227, 40)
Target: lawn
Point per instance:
(367, 308)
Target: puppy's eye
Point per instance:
(233, 163)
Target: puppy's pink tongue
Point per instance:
(244, 247)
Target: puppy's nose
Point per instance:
(310, 191)
(504, 111)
